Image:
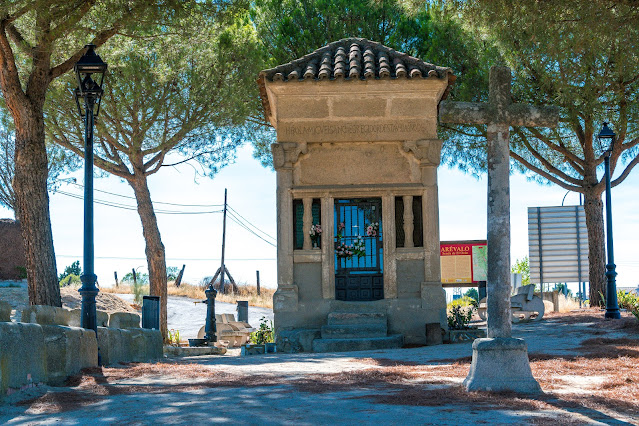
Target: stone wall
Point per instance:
(45, 351)
(11, 250)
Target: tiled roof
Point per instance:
(353, 59)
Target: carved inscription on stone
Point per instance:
(348, 131)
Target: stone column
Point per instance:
(498, 274)
(390, 261)
(308, 222)
(284, 227)
(409, 225)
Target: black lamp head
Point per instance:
(607, 136)
(90, 64)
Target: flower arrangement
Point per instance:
(315, 232)
(373, 229)
(347, 251)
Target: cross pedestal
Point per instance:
(500, 362)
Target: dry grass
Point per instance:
(245, 292)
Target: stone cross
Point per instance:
(499, 114)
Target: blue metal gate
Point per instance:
(359, 274)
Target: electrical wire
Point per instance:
(168, 258)
(249, 223)
(133, 208)
(154, 202)
(250, 230)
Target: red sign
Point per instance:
(463, 261)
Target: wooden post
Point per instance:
(178, 280)
(115, 274)
(135, 279)
(258, 282)
(223, 244)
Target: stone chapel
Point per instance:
(357, 208)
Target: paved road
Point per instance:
(188, 317)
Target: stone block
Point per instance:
(68, 350)
(303, 107)
(392, 341)
(285, 299)
(124, 320)
(75, 318)
(22, 358)
(175, 351)
(294, 341)
(153, 344)
(501, 364)
(367, 107)
(112, 344)
(137, 344)
(434, 334)
(411, 107)
(46, 315)
(5, 311)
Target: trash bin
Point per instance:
(151, 312)
(242, 310)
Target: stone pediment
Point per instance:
(353, 59)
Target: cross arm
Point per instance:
(532, 116)
(464, 112)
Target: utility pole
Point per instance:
(222, 269)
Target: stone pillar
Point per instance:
(390, 263)
(498, 274)
(409, 225)
(308, 222)
(284, 227)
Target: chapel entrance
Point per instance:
(358, 250)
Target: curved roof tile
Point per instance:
(353, 59)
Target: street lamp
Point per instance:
(607, 138)
(88, 95)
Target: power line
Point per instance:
(133, 208)
(169, 258)
(154, 202)
(250, 224)
(251, 231)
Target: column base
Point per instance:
(501, 364)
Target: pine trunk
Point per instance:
(155, 256)
(593, 207)
(32, 208)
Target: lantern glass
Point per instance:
(88, 88)
(606, 138)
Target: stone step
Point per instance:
(352, 318)
(350, 331)
(347, 345)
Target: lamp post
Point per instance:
(88, 96)
(612, 308)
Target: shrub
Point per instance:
(472, 293)
(73, 269)
(139, 277)
(174, 337)
(522, 267)
(264, 334)
(463, 302)
(172, 273)
(458, 318)
(71, 279)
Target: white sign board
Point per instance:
(557, 244)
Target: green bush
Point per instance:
(71, 279)
(459, 317)
(172, 273)
(73, 269)
(264, 334)
(522, 267)
(463, 302)
(473, 294)
(627, 300)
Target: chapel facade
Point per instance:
(357, 208)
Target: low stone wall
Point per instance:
(48, 350)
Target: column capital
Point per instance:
(427, 151)
(285, 154)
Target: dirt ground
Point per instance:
(588, 368)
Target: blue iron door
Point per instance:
(359, 274)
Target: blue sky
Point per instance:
(195, 240)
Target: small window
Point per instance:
(418, 225)
(298, 221)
